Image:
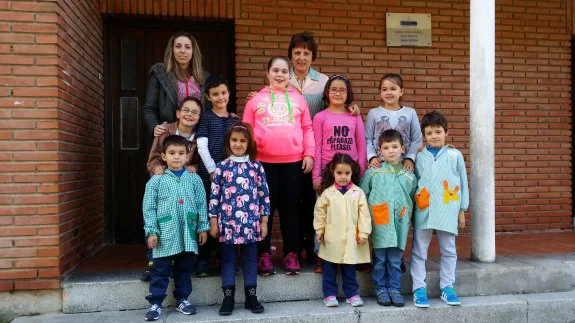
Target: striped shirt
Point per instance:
(442, 190)
(214, 128)
(175, 210)
(189, 88)
(311, 88)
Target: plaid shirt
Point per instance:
(175, 210)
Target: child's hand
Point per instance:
(152, 242)
(212, 176)
(408, 165)
(160, 129)
(264, 228)
(360, 241)
(461, 220)
(374, 163)
(202, 238)
(251, 95)
(316, 186)
(192, 169)
(354, 109)
(214, 229)
(159, 170)
(319, 237)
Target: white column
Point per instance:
(482, 124)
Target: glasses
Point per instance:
(192, 112)
(334, 90)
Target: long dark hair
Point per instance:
(328, 178)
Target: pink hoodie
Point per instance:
(280, 138)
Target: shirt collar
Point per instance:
(240, 159)
(339, 187)
(312, 74)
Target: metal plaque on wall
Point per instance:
(408, 29)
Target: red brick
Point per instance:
(37, 284)
(18, 274)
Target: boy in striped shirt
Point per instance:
(441, 199)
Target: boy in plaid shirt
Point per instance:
(175, 222)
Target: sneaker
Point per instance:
(265, 266)
(202, 269)
(291, 264)
(330, 301)
(318, 266)
(185, 307)
(397, 299)
(383, 299)
(153, 313)
(146, 275)
(420, 298)
(449, 296)
(355, 301)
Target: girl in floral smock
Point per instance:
(239, 207)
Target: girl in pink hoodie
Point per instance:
(285, 141)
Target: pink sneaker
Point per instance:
(265, 266)
(330, 301)
(291, 264)
(355, 301)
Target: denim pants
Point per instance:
(386, 274)
(160, 277)
(349, 282)
(249, 261)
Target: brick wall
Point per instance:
(533, 88)
(51, 104)
(51, 140)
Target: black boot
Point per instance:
(229, 301)
(252, 300)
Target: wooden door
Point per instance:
(132, 47)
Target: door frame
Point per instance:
(111, 22)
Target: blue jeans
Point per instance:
(386, 272)
(160, 277)
(349, 282)
(249, 261)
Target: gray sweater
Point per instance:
(403, 120)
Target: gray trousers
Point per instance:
(421, 240)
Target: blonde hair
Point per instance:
(195, 68)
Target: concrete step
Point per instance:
(541, 307)
(508, 275)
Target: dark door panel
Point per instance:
(132, 47)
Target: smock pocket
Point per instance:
(380, 214)
(167, 228)
(328, 234)
(192, 224)
(422, 199)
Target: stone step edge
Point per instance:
(539, 307)
(95, 296)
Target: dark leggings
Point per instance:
(212, 244)
(284, 182)
(306, 231)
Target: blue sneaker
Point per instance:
(185, 307)
(153, 312)
(420, 298)
(449, 296)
